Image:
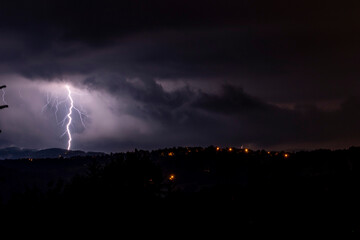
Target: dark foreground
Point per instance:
(205, 189)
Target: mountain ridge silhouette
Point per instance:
(20, 153)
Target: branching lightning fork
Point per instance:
(52, 102)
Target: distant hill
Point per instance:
(19, 153)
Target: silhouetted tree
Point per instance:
(3, 106)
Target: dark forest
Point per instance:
(307, 191)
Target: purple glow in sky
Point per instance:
(38, 120)
(190, 73)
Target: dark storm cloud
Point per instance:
(232, 101)
(197, 72)
(266, 123)
(95, 21)
(233, 116)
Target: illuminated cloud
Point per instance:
(185, 73)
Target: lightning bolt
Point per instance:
(69, 117)
(58, 103)
(48, 100)
(80, 116)
(54, 103)
(3, 96)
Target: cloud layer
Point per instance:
(273, 75)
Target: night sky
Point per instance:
(153, 74)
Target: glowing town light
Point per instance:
(172, 177)
(69, 117)
(246, 150)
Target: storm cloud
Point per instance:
(160, 74)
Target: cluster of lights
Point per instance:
(246, 150)
(230, 149)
